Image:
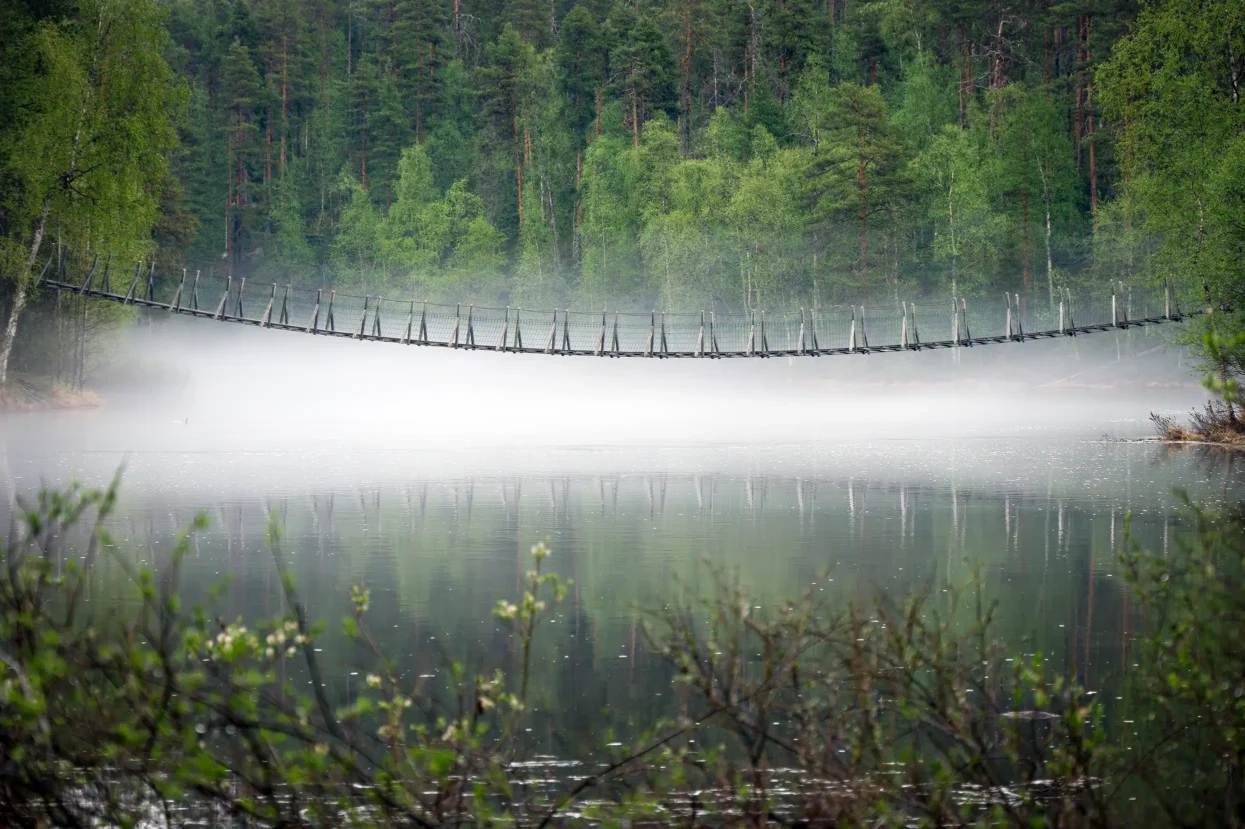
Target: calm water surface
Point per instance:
(439, 537)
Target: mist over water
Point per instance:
(426, 474)
(193, 385)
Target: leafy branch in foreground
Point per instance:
(119, 717)
(892, 711)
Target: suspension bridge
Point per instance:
(838, 330)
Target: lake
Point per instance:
(426, 477)
(438, 538)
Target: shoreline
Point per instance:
(23, 395)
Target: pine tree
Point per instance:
(859, 174)
(242, 94)
(530, 19)
(642, 66)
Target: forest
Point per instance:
(682, 154)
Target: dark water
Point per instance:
(439, 536)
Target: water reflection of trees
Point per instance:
(437, 555)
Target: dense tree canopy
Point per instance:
(685, 152)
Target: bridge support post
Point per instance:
(43, 273)
(105, 284)
(313, 324)
(614, 337)
(423, 323)
(194, 292)
(224, 297)
(812, 325)
(553, 333)
(285, 305)
(363, 320)
(764, 341)
(664, 347)
(505, 331)
(457, 319)
(129, 295)
(864, 334)
(241, 289)
(968, 334)
(1115, 317)
(713, 334)
(330, 324)
(176, 305)
(1008, 330)
(566, 331)
(916, 335)
(700, 337)
(652, 326)
(151, 281)
(1167, 299)
(800, 349)
(1063, 328)
(903, 328)
(851, 335)
(752, 335)
(470, 341)
(601, 336)
(377, 331)
(518, 333)
(90, 276)
(265, 319)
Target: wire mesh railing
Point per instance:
(845, 329)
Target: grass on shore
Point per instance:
(1215, 423)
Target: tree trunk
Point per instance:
(1044, 170)
(862, 193)
(1078, 116)
(21, 294)
(687, 78)
(458, 27)
(80, 361)
(635, 116)
(363, 124)
(285, 63)
(229, 201)
(1024, 243)
(996, 80)
(518, 165)
(1089, 114)
(267, 150)
(1046, 61)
